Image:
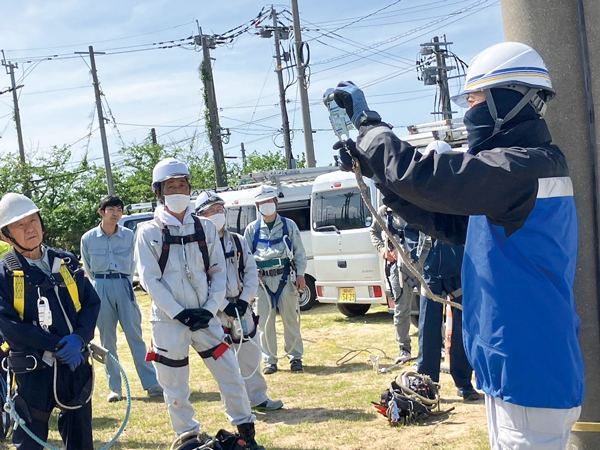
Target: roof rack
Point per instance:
(453, 131)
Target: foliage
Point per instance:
(68, 193)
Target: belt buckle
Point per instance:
(35, 363)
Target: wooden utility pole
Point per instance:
(153, 136)
(107, 167)
(440, 60)
(302, 84)
(287, 141)
(211, 104)
(10, 67)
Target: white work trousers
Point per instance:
(173, 340)
(514, 427)
(249, 355)
(288, 308)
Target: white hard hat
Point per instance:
(206, 199)
(438, 147)
(509, 65)
(169, 168)
(264, 192)
(14, 207)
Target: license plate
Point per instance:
(347, 295)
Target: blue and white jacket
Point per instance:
(512, 206)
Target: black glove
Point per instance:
(348, 151)
(194, 318)
(241, 306)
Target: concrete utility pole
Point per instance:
(10, 69)
(440, 59)
(287, 141)
(575, 74)
(302, 84)
(243, 156)
(153, 136)
(211, 100)
(107, 167)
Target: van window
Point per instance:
(341, 209)
(133, 223)
(238, 217)
(298, 211)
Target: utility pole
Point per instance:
(243, 156)
(287, 141)
(10, 68)
(153, 136)
(440, 59)
(107, 167)
(302, 83)
(211, 104)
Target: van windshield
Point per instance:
(238, 217)
(343, 209)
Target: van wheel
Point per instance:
(353, 310)
(308, 295)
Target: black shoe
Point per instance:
(269, 369)
(247, 433)
(468, 394)
(296, 365)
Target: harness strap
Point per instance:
(217, 351)
(168, 239)
(19, 292)
(169, 362)
(274, 296)
(269, 242)
(29, 413)
(71, 285)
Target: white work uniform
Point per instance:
(249, 352)
(175, 290)
(288, 301)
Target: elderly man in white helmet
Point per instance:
(509, 199)
(277, 247)
(48, 312)
(239, 320)
(181, 265)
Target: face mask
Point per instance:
(177, 203)
(218, 220)
(267, 209)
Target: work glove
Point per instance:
(68, 351)
(194, 318)
(239, 306)
(349, 97)
(346, 152)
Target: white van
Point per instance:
(350, 271)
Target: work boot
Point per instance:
(247, 433)
(114, 397)
(296, 365)
(269, 405)
(269, 369)
(468, 394)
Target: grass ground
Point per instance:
(326, 407)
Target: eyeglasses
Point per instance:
(215, 209)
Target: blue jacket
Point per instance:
(24, 335)
(443, 260)
(512, 205)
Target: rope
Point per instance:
(10, 408)
(404, 255)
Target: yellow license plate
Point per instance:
(347, 295)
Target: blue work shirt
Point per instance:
(102, 253)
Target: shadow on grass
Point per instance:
(106, 422)
(330, 370)
(130, 444)
(197, 396)
(295, 416)
(371, 318)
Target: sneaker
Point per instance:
(296, 365)
(403, 357)
(269, 369)
(269, 405)
(468, 394)
(114, 397)
(155, 391)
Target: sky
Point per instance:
(149, 72)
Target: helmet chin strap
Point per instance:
(499, 121)
(5, 233)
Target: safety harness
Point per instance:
(411, 397)
(238, 254)
(169, 239)
(285, 271)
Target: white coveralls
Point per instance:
(288, 301)
(172, 292)
(249, 352)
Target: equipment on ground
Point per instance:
(195, 440)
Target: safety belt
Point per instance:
(169, 239)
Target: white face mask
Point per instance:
(267, 209)
(218, 220)
(177, 203)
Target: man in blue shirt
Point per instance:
(107, 253)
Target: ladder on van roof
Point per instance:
(453, 131)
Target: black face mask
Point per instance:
(479, 122)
